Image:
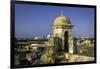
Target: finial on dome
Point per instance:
(62, 13)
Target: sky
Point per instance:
(36, 20)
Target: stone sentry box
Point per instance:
(62, 32)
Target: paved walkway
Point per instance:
(67, 58)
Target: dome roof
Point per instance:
(62, 20)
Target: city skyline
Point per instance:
(36, 20)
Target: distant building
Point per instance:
(85, 41)
(36, 38)
(48, 36)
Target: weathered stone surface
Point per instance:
(77, 58)
(48, 56)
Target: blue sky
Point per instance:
(35, 20)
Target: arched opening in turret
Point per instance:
(66, 45)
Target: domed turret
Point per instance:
(62, 32)
(62, 20)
